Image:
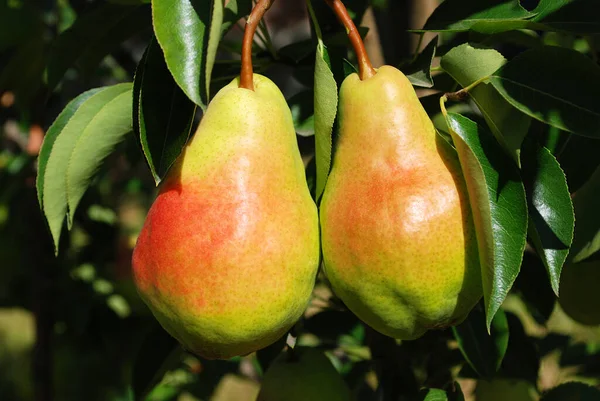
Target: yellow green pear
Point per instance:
(304, 375)
(398, 238)
(229, 251)
(579, 292)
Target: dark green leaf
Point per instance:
(587, 220)
(466, 64)
(77, 148)
(579, 16)
(499, 206)
(235, 10)
(92, 36)
(433, 394)
(551, 219)
(302, 106)
(162, 113)
(483, 351)
(419, 71)
(159, 352)
(188, 32)
(487, 16)
(575, 391)
(326, 101)
(578, 159)
(522, 359)
(555, 85)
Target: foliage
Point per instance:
(118, 87)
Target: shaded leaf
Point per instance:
(77, 148)
(326, 101)
(555, 85)
(158, 353)
(579, 16)
(302, 108)
(23, 72)
(483, 351)
(586, 241)
(466, 64)
(162, 113)
(499, 206)
(487, 16)
(92, 36)
(19, 22)
(187, 31)
(419, 71)
(572, 391)
(234, 11)
(550, 210)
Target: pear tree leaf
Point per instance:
(572, 391)
(419, 71)
(162, 113)
(77, 147)
(586, 241)
(499, 207)
(482, 350)
(55, 129)
(555, 85)
(436, 394)
(577, 16)
(466, 64)
(234, 11)
(551, 218)
(92, 36)
(326, 103)
(188, 32)
(485, 16)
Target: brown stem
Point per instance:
(365, 68)
(247, 74)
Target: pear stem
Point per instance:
(247, 73)
(365, 68)
(462, 94)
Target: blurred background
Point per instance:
(72, 326)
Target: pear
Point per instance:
(228, 255)
(398, 238)
(578, 292)
(306, 374)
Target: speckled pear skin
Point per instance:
(397, 233)
(229, 251)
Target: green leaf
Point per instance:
(433, 394)
(56, 128)
(235, 10)
(77, 150)
(326, 101)
(188, 31)
(486, 16)
(551, 218)
(162, 113)
(499, 206)
(586, 241)
(92, 36)
(575, 391)
(466, 64)
(158, 353)
(483, 351)
(555, 85)
(578, 16)
(419, 71)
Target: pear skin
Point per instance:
(398, 238)
(306, 375)
(229, 251)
